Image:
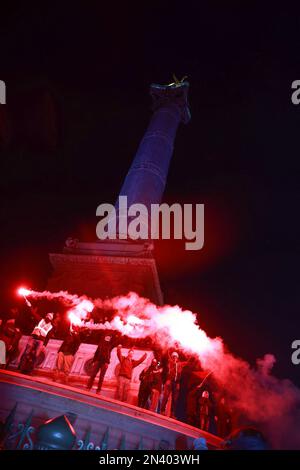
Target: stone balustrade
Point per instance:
(78, 375)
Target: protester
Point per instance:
(171, 386)
(39, 337)
(101, 360)
(156, 387)
(150, 386)
(10, 335)
(26, 318)
(187, 402)
(205, 409)
(223, 418)
(127, 364)
(67, 351)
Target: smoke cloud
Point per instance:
(258, 397)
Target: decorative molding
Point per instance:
(76, 263)
(58, 259)
(78, 373)
(114, 420)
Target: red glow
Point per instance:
(74, 319)
(23, 291)
(254, 391)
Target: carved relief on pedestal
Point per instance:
(79, 371)
(105, 276)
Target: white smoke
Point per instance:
(257, 395)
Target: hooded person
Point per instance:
(101, 360)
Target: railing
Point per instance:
(25, 436)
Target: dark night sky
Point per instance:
(77, 105)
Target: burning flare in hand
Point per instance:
(23, 292)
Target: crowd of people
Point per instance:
(174, 384)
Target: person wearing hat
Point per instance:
(171, 386)
(37, 340)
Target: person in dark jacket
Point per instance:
(223, 418)
(187, 402)
(127, 364)
(205, 408)
(171, 387)
(156, 386)
(101, 360)
(67, 351)
(150, 379)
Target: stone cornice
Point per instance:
(59, 258)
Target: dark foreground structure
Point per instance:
(84, 420)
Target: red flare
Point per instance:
(23, 291)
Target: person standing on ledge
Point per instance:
(67, 351)
(150, 386)
(127, 364)
(38, 339)
(101, 360)
(172, 384)
(205, 408)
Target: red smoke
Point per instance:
(258, 396)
